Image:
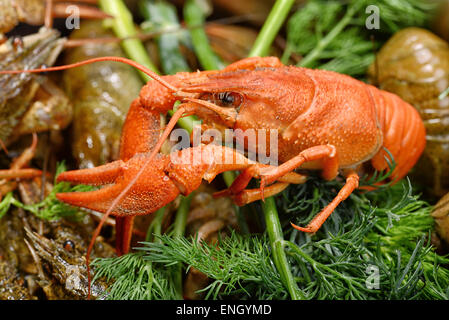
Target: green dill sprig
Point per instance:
(332, 35)
(238, 265)
(133, 278)
(386, 230)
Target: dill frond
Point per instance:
(135, 278)
(332, 35)
(238, 265)
(386, 229)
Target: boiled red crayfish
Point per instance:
(325, 121)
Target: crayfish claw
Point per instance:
(101, 175)
(151, 191)
(97, 200)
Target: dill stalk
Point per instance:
(194, 17)
(271, 27)
(261, 47)
(277, 242)
(181, 216)
(179, 230)
(123, 27)
(162, 17)
(155, 227)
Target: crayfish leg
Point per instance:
(244, 196)
(250, 195)
(123, 234)
(325, 153)
(352, 183)
(17, 170)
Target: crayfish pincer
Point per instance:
(324, 121)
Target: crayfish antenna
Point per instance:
(132, 63)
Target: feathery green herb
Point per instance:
(136, 279)
(384, 233)
(240, 265)
(332, 35)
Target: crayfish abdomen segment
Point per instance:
(404, 134)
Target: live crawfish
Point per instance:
(29, 104)
(324, 121)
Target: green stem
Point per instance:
(261, 47)
(160, 16)
(181, 216)
(276, 237)
(229, 177)
(123, 26)
(271, 28)
(324, 42)
(179, 230)
(156, 226)
(194, 17)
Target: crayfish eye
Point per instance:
(229, 99)
(224, 99)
